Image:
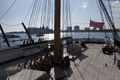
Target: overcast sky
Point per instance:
(82, 12)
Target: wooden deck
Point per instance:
(92, 64)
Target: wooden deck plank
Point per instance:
(92, 64)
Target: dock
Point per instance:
(92, 64)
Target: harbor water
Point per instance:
(50, 36)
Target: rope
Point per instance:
(41, 20)
(8, 10)
(72, 6)
(63, 17)
(101, 15)
(34, 15)
(105, 15)
(67, 13)
(48, 19)
(53, 14)
(110, 10)
(70, 17)
(111, 24)
(10, 24)
(66, 18)
(28, 11)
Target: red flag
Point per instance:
(96, 24)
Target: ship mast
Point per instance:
(57, 31)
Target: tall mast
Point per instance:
(57, 31)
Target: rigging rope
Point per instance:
(73, 5)
(102, 8)
(10, 24)
(110, 10)
(70, 17)
(116, 37)
(42, 14)
(63, 18)
(8, 10)
(101, 15)
(66, 18)
(110, 13)
(28, 11)
(34, 16)
(67, 13)
(48, 19)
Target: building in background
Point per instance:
(86, 29)
(39, 30)
(76, 28)
(69, 28)
(94, 29)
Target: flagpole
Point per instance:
(89, 32)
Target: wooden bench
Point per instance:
(27, 74)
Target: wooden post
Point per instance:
(27, 33)
(89, 33)
(4, 35)
(57, 31)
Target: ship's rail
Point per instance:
(90, 40)
(10, 53)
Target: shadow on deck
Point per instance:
(90, 65)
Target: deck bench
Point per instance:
(27, 74)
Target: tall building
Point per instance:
(69, 28)
(47, 29)
(94, 28)
(76, 28)
(86, 28)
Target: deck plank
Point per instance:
(92, 64)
